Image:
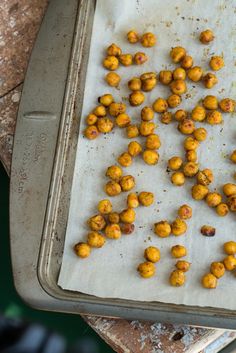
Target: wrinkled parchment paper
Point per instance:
(111, 271)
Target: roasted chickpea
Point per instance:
(148, 40)
(206, 36)
(152, 254)
(105, 206)
(136, 98)
(132, 200)
(232, 203)
(178, 251)
(114, 217)
(135, 84)
(140, 58)
(127, 182)
(160, 105)
(100, 110)
(229, 262)
(126, 59)
(132, 131)
(174, 100)
(91, 132)
(175, 163)
(112, 188)
(208, 231)
(112, 79)
(191, 143)
(230, 247)
(114, 172)
(162, 229)
(91, 119)
(205, 177)
(95, 240)
(178, 87)
(210, 102)
(179, 74)
(177, 278)
(146, 75)
(96, 222)
(177, 54)
(187, 62)
(222, 209)
(199, 192)
(186, 126)
(127, 216)
(104, 125)
(106, 99)
(183, 265)
(132, 37)
(209, 80)
(123, 120)
(195, 73)
(229, 189)
(150, 157)
(233, 156)
(217, 269)
(191, 156)
(178, 178)
(153, 142)
(82, 250)
(213, 199)
(216, 63)
(113, 231)
(209, 281)
(214, 117)
(180, 115)
(116, 108)
(113, 50)
(165, 77)
(111, 63)
(146, 269)
(147, 114)
(178, 227)
(148, 84)
(227, 105)
(134, 148)
(146, 128)
(146, 198)
(166, 118)
(125, 159)
(127, 228)
(185, 212)
(200, 134)
(198, 113)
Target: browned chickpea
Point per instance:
(227, 105)
(82, 250)
(232, 203)
(206, 36)
(125, 159)
(150, 157)
(209, 281)
(179, 74)
(183, 265)
(208, 231)
(214, 117)
(216, 63)
(91, 132)
(191, 156)
(112, 188)
(178, 178)
(104, 125)
(127, 183)
(210, 102)
(209, 80)
(140, 58)
(114, 217)
(100, 111)
(160, 105)
(199, 192)
(132, 200)
(198, 113)
(230, 247)
(95, 240)
(148, 40)
(180, 115)
(132, 37)
(174, 100)
(146, 269)
(106, 99)
(187, 62)
(116, 108)
(213, 199)
(195, 73)
(217, 269)
(178, 87)
(134, 84)
(128, 216)
(222, 209)
(166, 118)
(113, 231)
(165, 77)
(134, 148)
(190, 169)
(152, 254)
(132, 131)
(233, 156)
(153, 142)
(186, 126)
(112, 79)
(191, 143)
(205, 177)
(114, 172)
(136, 98)
(104, 206)
(229, 262)
(113, 50)
(127, 228)
(96, 222)
(146, 198)
(178, 227)
(175, 163)
(177, 54)
(185, 212)
(177, 278)
(200, 134)
(178, 251)
(126, 59)
(162, 229)
(229, 189)
(91, 119)
(123, 120)
(111, 63)
(147, 114)
(149, 83)
(146, 128)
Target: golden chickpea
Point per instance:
(140, 58)
(152, 254)
(112, 188)
(82, 250)
(216, 63)
(187, 62)
(134, 148)
(100, 110)
(191, 156)
(135, 84)
(150, 157)
(128, 216)
(210, 102)
(147, 114)
(217, 269)
(195, 73)
(112, 231)
(166, 118)
(190, 144)
(185, 212)
(213, 199)
(148, 40)
(146, 198)
(179, 74)
(125, 159)
(123, 120)
(106, 99)
(232, 203)
(162, 229)
(132, 200)
(153, 142)
(178, 87)
(214, 117)
(104, 125)
(146, 128)
(114, 217)
(91, 119)
(148, 84)
(111, 63)
(132, 37)
(113, 50)
(132, 131)
(146, 269)
(174, 100)
(91, 132)
(200, 134)
(112, 79)
(165, 77)
(126, 59)
(178, 227)
(178, 178)
(178, 251)
(198, 113)
(117, 108)
(199, 192)
(97, 222)
(146, 75)
(114, 172)
(104, 206)
(186, 126)
(136, 98)
(160, 105)
(222, 209)
(230, 247)
(177, 54)
(205, 177)
(180, 115)
(209, 281)
(177, 278)
(227, 105)
(183, 265)
(127, 182)
(209, 80)
(95, 240)
(206, 36)
(233, 156)
(229, 189)
(229, 262)
(175, 163)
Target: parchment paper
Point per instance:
(111, 271)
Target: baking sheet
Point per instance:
(111, 271)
